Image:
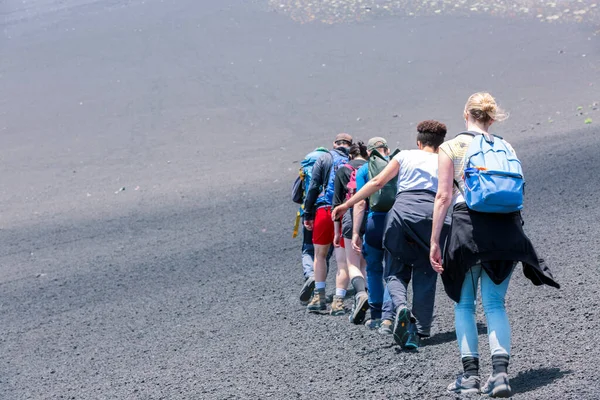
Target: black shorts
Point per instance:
(347, 224)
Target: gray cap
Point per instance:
(376, 143)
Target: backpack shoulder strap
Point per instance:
(394, 153)
(473, 134)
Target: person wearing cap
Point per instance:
(408, 230)
(370, 245)
(317, 216)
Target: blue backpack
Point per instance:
(326, 196)
(308, 164)
(493, 176)
(302, 182)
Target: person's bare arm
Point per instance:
(375, 184)
(357, 218)
(443, 198)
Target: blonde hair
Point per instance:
(483, 108)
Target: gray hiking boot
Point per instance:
(307, 289)
(465, 384)
(317, 303)
(360, 307)
(497, 386)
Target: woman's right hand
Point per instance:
(357, 243)
(338, 212)
(336, 240)
(435, 257)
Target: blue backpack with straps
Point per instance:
(302, 182)
(493, 176)
(326, 196)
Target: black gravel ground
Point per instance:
(147, 150)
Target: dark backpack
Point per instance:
(383, 199)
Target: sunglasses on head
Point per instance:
(341, 142)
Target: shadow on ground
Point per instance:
(535, 378)
(450, 336)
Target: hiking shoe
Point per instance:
(373, 324)
(497, 386)
(337, 306)
(465, 384)
(401, 326)
(350, 292)
(307, 289)
(317, 303)
(359, 309)
(412, 342)
(386, 327)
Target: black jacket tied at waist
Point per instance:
(408, 228)
(496, 241)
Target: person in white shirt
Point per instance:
(408, 232)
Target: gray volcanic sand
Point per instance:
(184, 285)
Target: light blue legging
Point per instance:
(492, 297)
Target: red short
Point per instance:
(323, 226)
(342, 243)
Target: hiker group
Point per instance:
(386, 217)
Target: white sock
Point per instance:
(320, 285)
(340, 292)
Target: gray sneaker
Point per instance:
(307, 289)
(373, 324)
(386, 327)
(497, 386)
(465, 384)
(361, 305)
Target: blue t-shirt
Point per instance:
(362, 177)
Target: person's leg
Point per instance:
(388, 313)
(308, 259)
(322, 239)
(374, 258)
(354, 260)
(308, 254)
(341, 277)
(397, 282)
(318, 302)
(466, 334)
(341, 282)
(361, 300)
(424, 280)
(388, 309)
(320, 265)
(464, 312)
(493, 300)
